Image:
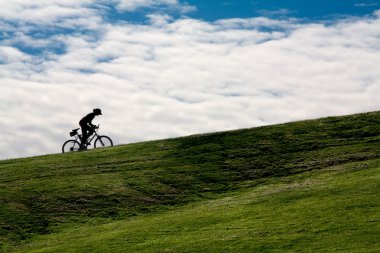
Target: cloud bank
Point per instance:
(172, 77)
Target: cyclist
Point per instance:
(87, 126)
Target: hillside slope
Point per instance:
(42, 195)
(328, 210)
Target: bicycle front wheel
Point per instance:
(103, 141)
(70, 146)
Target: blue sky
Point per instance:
(310, 10)
(167, 68)
(212, 10)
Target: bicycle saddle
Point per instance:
(75, 130)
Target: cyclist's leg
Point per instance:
(84, 135)
(90, 131)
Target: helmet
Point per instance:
(97, 111)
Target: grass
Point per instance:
(333, 209)
(305, 186)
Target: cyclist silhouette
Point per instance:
(87, 126)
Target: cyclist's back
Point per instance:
(87, 119)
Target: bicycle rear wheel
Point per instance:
(70, 146)
(103, 141)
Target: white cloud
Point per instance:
(54, 12)
(178, 77)
(367, 4)
(43, 11)
(133, 5)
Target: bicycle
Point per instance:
(74, 144)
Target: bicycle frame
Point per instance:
(89, 138)
(74, 144)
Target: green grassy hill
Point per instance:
(310, 186)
